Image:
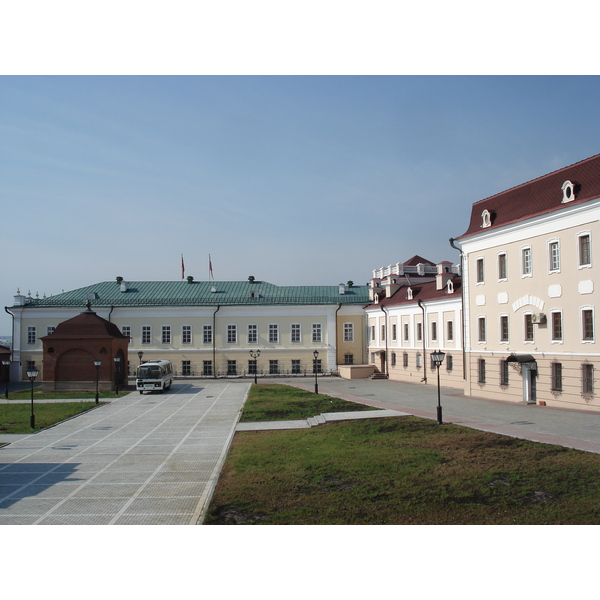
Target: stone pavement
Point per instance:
(570, 428)
(151, 459)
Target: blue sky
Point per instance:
(293, 179)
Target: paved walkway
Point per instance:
(570, 428)
(155, 459)
(151, 459)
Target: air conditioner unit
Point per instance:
(539, 318)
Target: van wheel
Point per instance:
(141, 393)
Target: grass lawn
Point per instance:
(14, 418)
(402, 470)
(39, 395)
(276, 402)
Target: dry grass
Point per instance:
(403, 470)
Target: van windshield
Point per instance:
(149, 372)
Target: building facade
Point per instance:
(207, 329)
(416, 309)
(530, 258)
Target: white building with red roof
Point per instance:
(416, 309)
(529, 264)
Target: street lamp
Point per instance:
(255, 354)
(32, 374)
(97, 364)
(6, 363)
(140, 354)
(117, 360)
(438, 358)
(316, 355)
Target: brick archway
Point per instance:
(75, 364)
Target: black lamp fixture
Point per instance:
(438, 358)
(140, 354)
(97, 364)
(255, 354)
(117, 360)
(32, 373)
(316, 355)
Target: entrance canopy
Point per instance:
(520, 358)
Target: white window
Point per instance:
(317, 334)
(553, 256)
(383, 333)
(166, 334)
(31, 335)
(252, 334)
(296, 333)
(349, 332)
(186, 334)
(556, 324)
(126, 330)
(479, 270)
(207, 334)
(502, 266)
(526, 265)
(146, 334)
(504, 328)
(406, 332)
(419, 332)
(433, 331)
(50, 330)
(232, 334)
(481, 329)
(394, 332)
(450, 331)
(584, 246)
(528, 327)
(587, 324)
(273, 334)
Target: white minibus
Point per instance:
(154, 375)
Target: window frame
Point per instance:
(526, 263)
(481, 370)
(231, 335)
(207, 334)
(587, 379)
(317, 333)
(554, 257)
(527, 327)
(252, 333)
(502, 266)
(580, 255)
(165, 334)
(504, 332)
(31, 335)
(273, 333)
(504, 373)
(479, 270)
(296, 333)
(585, 338)
(186, 334)
(556, 377)
(554, 338)
(481, 330)
(146, 337)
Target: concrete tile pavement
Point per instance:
(151, 459)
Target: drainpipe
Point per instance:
(215, 341)
(385, 323)
(336, 334)
(12, 340)
(423, 334)
(462, 302)
(110, 313)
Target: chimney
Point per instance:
(444, 274)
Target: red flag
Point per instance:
(182, 268)
(210, 271)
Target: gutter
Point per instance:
(385, 322)
(336, 334)
(462, 301)
(423, 333)
(214, 336)
(12, 338)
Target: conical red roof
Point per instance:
(87, 325)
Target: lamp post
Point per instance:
(32, 374)
(97, 364)
(6, 363)
(255, 354)
(140, 354)
(117, 360)
(438, 359)
(316, 355)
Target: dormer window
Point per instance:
(409, 294)
(568, 190)
(450, 287)
(486, 218)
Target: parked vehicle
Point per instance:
(154, 375)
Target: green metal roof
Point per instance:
(202, 293)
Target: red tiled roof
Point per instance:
(416, 259)
(538, 196)
(422, 291)
(87, 325)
